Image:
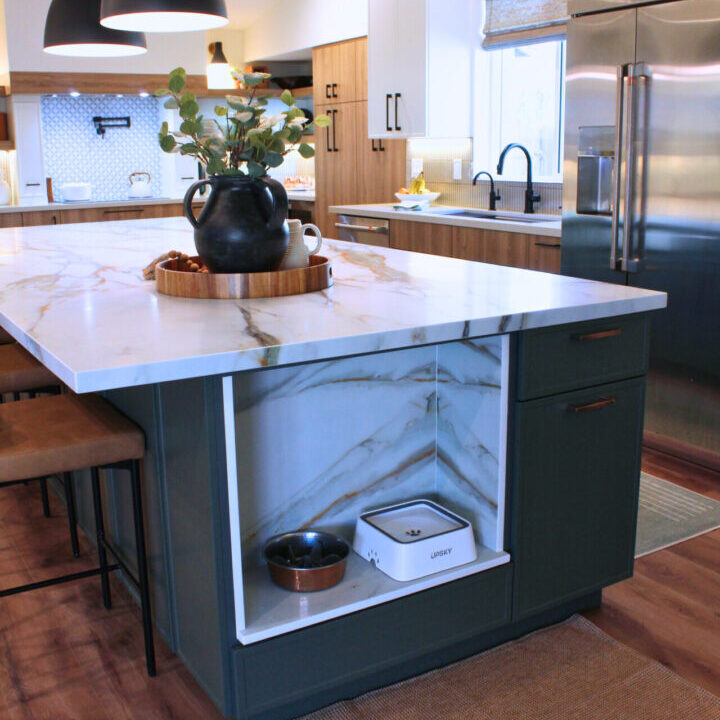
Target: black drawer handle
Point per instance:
(397, 97)
(388, 127)
(600, 335)
(334, 90)
(595, 405)
(540, 243)
(32, 184)
(327, 91)
(119, 210)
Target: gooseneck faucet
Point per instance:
(494, 197)
(530, 197)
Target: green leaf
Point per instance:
(187, 127)
(276, 144)
(261, 101)
(295, 134)
(273, 159)
(215, 146)
(167, 143)
(307, 151)
(171, 104)
(236, 102)
(287, 97)
(293, 113)
(255, 79)
(164, 129)
(179, 71)
(176, 84)
(189, 109)
(216, 166)
(322, 121)
(187, 97)
(189, 149)
(221, 110)
(255, 169)
(161, 92)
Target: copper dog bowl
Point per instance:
(306, 560)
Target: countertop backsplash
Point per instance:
(438, 156)
(74, 152)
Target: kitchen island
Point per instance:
(514, 398)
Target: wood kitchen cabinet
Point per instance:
(491, 246)
(10, 220)
(338, 72)
(407, 93)
(41, 217)
(544, 254)
(421, 237)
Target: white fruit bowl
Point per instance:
(421, 198)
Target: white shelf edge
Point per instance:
(298, 612)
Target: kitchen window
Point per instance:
(521, 100)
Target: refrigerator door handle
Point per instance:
(622, 80)
(636, 167)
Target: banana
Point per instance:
(417, 186)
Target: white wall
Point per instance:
(291, 26)
(25, 23)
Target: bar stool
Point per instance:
(20, 373)
(79, 432)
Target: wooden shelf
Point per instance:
(262, 92)
(7, 145)
(272, 611)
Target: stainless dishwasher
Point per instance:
(369, 231)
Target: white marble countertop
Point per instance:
(551, 225)
(307, 195)
(74, 296)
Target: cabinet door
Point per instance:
(381, 164)
(575, 476)
(381, 65)
(41, 217)
(491, 246)
(335, 164)
(421, 237)
(29, 146)
(10, 220)
(410, 45)
(335, 72)
(544, 254)
(361, 69)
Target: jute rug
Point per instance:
(669, 514)
(571, 671)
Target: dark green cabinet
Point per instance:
(575, 476)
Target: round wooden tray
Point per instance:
(227, 286)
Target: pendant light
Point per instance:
(73, 28)
(163, 15)
(219, 74)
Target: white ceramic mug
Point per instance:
(297, 254)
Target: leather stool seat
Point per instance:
(61, 433)
(5, 337)
(21, 372)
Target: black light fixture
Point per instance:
(163, 15)
(219, 72)
(73, 28)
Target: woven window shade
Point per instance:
(517, 22)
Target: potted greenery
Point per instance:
(242, 227)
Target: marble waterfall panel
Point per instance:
(318, 444)
(471, 436)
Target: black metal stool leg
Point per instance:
(71, 511)
(45, 497)
(142, 568)
(100, 533)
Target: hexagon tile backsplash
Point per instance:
(74, 152)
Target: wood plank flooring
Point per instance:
(63, 657)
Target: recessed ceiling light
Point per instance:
(73, 28)
(163, 15)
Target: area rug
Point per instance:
(571, 671)
(669, 514)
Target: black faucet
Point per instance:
(530, 197)
(493, 196)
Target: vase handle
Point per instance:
(187, 202)
(277, 212)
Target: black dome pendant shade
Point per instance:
(73, 28)
(163, 15)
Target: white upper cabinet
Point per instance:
(420, 57)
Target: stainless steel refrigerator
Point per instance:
(641, 197)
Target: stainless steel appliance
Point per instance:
(641, 192)
(366, 230)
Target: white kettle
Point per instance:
(139, 187)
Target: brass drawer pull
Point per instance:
(595, 405)
(600, 335)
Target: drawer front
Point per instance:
(272, 680)
(569, 357)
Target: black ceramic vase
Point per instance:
(242, 227)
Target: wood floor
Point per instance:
(63, 657)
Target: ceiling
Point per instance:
(245, 12)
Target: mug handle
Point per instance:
(318, 237)
(187, 202)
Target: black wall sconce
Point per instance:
(102, 124)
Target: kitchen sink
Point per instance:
(490, 215)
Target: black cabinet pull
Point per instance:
(382, 147)
(374, 149)
(334, 90)
(327, 91)
(600, 335)
(388, 98)
(595, 405)
(540, 243)
(32, 184)
(397, 97)
(334, 126)
(327, 135)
